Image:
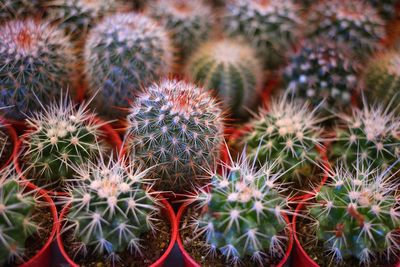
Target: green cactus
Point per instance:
(272, 27)
(10, 9)
(231, 70)
(123, 54)
(176, 128)
(36, 65)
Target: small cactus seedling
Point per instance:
(287, 132)
(61, 138)
(110, 210)
(323, 74)
(231, 69)
(16, 220)
(10, 9)
(371, 133)
(355, 23)
(175, 127)
(357, 216)
(271, 26)
(189, 23)
(36, 64)
(243, 214)
(123, 54)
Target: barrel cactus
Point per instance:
(10, 9)
(176, 128)
(231, 69)
(243, 214)
(36, 65)
(109, 210)
(123, 54)
(272, 27)
(188, 22)
(61, 137)
(322, 73)
(356, 215)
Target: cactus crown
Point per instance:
(109, 209)
(177, 127)
(61, 137)
(36, 61)
(287, 132)
(231, 69)
(10, 9)
(243, 214)
(357, 214)
(124, 53)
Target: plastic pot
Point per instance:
(190, 262)
(167, 212)
(110, 136)
(14, 140)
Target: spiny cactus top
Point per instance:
(243, 214)
(10, 9)
(36, 65)
(287, 132)
(271, 26)
(231, 69)
(61, 138)
(189, 23)
(16, 220)
(109, 209)
(371, 133)
(123, 54)
(322, 73)
(357, 215)
(176, 128)
(355, 23)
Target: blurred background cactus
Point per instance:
(387, 8)
(231, 70)
(36, 65)
(18, 9)
(176, 128)
(123, 54)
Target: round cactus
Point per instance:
(322, 73)
(371, 133)
(231, 69)
(271, 26)
(243, 216)
(176, 128)
(387, 8)
(188, 22)
(10, 9)
(109, 210)
(356, 215)
(60, 138)
(288, 133)
(355, 23)
(123, 54)
(36, 65)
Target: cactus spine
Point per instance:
(10, 9)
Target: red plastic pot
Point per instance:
(110, 136)
(14, 140)
(44, 256)
(190, 262)
(167, 211)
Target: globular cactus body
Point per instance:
(176, 128)
(10, 9)
(231, 70)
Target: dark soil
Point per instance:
(6, 151)
(197, 248)
(154, 246)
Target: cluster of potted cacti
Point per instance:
(233, 111)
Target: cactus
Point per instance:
(287, 132)
(60, 138)
(355, 23)
(271, 26)
(36, 64)
(243, 214)
(176, 128)
(189, 23)
(109, 210)
(387, 8)
(371, 133)
(232, 70)
(10, 9)
(323, 73)
(356, 215)
(124, 53)
(16, 220)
